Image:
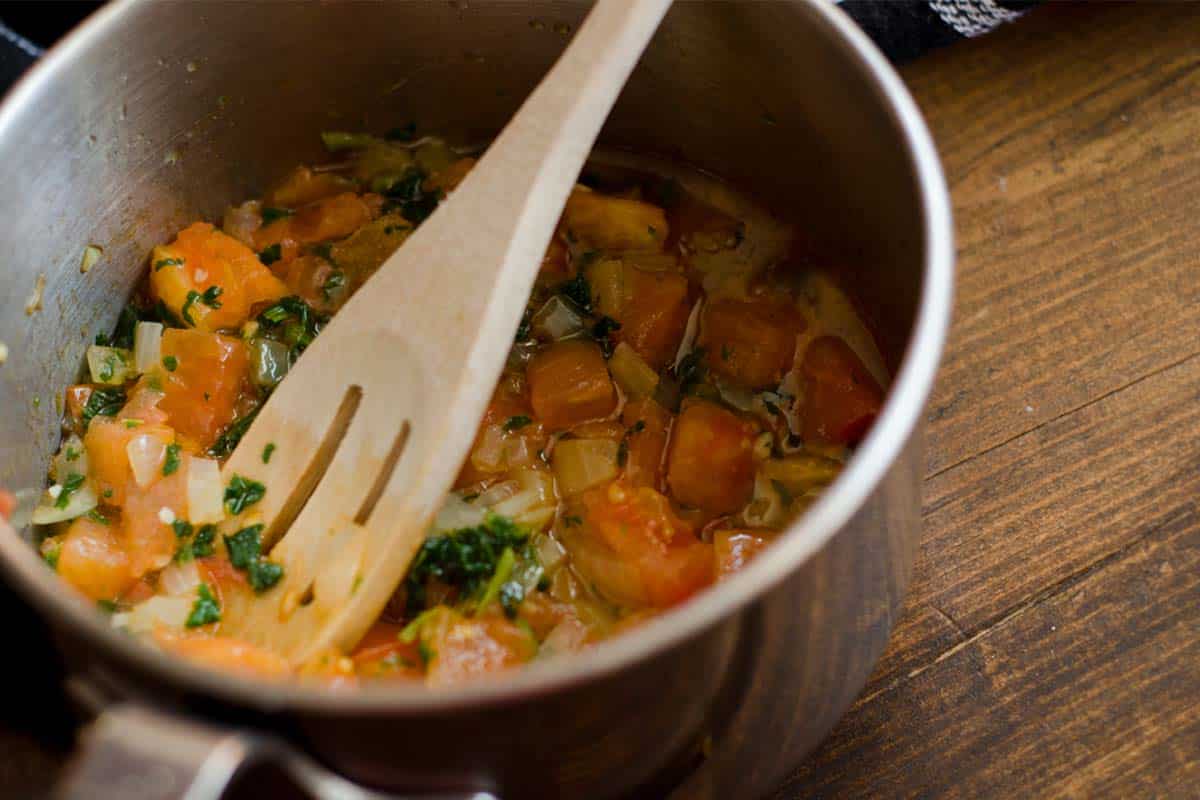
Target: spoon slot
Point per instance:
(385, 474)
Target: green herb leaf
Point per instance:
(103, 402)
(206, 610)
(244, 546)
(271, 214)
(335, 282)
(167, 262)
(107, 606)
(517, 422)
(267, 451)
(242, 493)
(264, 574)
(602, 332)
(69, 487)
(171, 363)
(186, 311)
(51, 555)
(172, 461)
(336, 141)
(202, 545)
(578, 291)
(182, 528)
(96, 516)
(270, 254)
(227, 442)
(209, 298)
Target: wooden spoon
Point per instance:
(373, 422)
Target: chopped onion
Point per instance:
(689, 333)
(72, 457)
(518, 504)
(557, 319)
(801, 473)
(147, 346)
(171, 612)
(497, 493)
(457, 513)
(536, 518)
(567, 636)
(205, 492)
(766, 509)
(580, 464)
(180, 579)
(634, 376)
(242, 221)
(146, 455)
(541, 481)
(81, 501)
(269, 362)
(550, 552)
(110, 365)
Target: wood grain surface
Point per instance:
(1051, 645)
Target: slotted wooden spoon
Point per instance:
(372, 423)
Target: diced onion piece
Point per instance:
(550, 552)
(536, 518)
(205, 493)
(180, 579)
(580, 464)
(146, 456)
(689, 333)
(567, 636)
(800, 473)
(556, 319)
(497, 493)
(457, 513)
(72, 457)
(766, 508)
(171, 612)
(607, 281)
(109, 365)
(518, 504)
(635, 377)
(81, 501)
(147, 346)
(540, 480)
(269, 362)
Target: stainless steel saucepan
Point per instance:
(156, 113)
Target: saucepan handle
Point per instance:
(133, 752)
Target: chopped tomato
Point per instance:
(381, 653)
(751, 342)
(841, 399)
(106, 442)
(647, 424)
(328, 218)
(460, 648)
(303, 186)
(77, 397)
(615, 223)
(652, 307)
(569, 383)
(209, 279)
(146, 531)
(710, 462)
(201, 395)
(509, 437)
(308, 276)
(93, 560)
(225, 654)
(733, 549)
(139, 592)
(8, 502)
(636, 550)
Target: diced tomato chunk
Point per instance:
(647, 424)
(460, 648)
(652, 307)
(733, 549)
(569, 383)
(381, 653)
(77, 397)
(224, 654)
(93, 560)
(841, 398)
(328, 218)
(150, 541)
(636, 550)
(308, 276)
(200, 396)
(201, 261)
(615, 223)
(508, 438)
(8, 502)
(750, 342)
(303, 186)
(710, 461)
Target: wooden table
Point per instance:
(1051, 645)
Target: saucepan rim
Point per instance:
(897, 422)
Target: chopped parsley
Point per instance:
(408, 195)
(202, 545)
(517, 422)
(577, 291)
(571, 520)
(271, 214)
(95, 515)
(511, 595)
(292, 321)
(208, 297)
(270, 254)
(182, 528)
(245, 553)
(267, 452)
(172, 461)
(199, 546)
(167, 262)
(107, 606)
(102, 402)
(691, 369)
(69, 487)
(123, 334)
(170, 363)
(602, 332)
(205, 610)
(227, 442)
(50, 556)
(242, 493)
(623, 447)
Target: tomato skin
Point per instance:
(200, 396)
(750, 342)
(150, 542)
(211, 258)
(108, 460)
(734, 549)
(645, 446)
(710, 460)
(381, 653)
(636, 550)
(569, 384)
(303, 186)
(93, 560)
(461, 648)
(841, 398)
